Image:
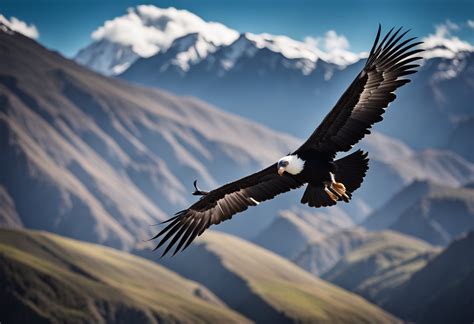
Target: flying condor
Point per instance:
(313, 164)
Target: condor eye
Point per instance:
(283, 163)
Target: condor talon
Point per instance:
(331, 194)
(340, 190)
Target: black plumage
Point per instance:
(328, 180)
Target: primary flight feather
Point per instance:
(313, 164)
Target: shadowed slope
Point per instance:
(443, 291)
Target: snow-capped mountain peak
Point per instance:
(305, 53)
(190, 50)
(288, 47)
(107, 57)
(302, 55)
(243, 46)
(181, 39)
(144, 31)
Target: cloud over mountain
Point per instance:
(444, 42)
(20, 26)
(147, 30)
(336, 47)
(144, 31)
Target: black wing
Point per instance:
(220, 204)
(364, 102)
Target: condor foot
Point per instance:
(340, 190)
(331, 194)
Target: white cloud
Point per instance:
(149, 29)
(20, 26)
(445, 29)
(312, 42)
(443, 43)
(331, 41)
(333, 48)
(470, 23)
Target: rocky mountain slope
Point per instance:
(106, 160)
(299, 227)
(435, 213)
(388, 214)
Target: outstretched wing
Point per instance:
(220, 204)
(364, 102)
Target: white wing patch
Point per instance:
(254, 201)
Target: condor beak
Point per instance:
(281, 170)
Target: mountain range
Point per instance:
(103, 160)
(282, 77)
(121, 157)
(82, 144)
(279, 74)
(275, 84)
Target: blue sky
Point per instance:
(66, 25)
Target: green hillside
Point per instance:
(48, 278)
(381, 264)
(268, 288)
